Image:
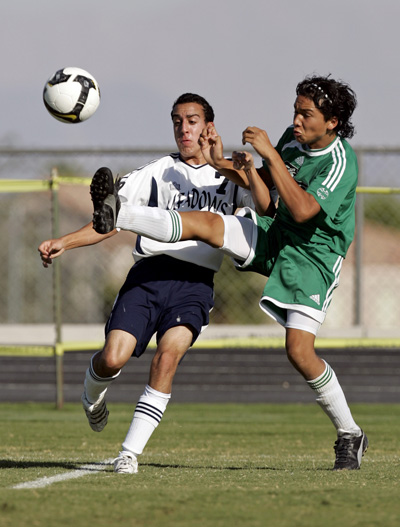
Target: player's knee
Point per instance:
(116, 353)
(213, 232)
(299, 346)
(110, 361)
(303, 358)
(294, 354)
(297, 352)
(207, 227)
(106, 365)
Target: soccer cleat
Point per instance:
(106, 203)
(125, 463)
(349, 451)
(96, 413)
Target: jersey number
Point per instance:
(221, 188)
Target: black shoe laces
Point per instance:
(344, 448)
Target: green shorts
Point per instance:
(301, 275)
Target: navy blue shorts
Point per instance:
(159, 293)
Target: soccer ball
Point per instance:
(71, 95)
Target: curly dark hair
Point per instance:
(333, 98)
(193, 97)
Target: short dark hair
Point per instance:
(193, 97)
(333, 98)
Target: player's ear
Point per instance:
(332, 123)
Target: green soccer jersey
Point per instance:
(330, 175)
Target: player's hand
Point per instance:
(258, 139)
(49, 250)
(242, 160)
(211, 145)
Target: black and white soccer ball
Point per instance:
(71, 95)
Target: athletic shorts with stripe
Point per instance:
(301, 275)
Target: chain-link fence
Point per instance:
(90, 277)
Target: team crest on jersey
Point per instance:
(299, 160)
(292, 169)
(176, 185)
(322, 193)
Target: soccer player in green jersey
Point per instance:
(300, 246)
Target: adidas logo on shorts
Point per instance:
(316, 298)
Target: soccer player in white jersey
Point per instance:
(169, 290)
(301, 249)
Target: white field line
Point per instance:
(84, 470)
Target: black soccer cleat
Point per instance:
(106, 203)
(349, 451)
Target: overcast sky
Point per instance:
(245, 57)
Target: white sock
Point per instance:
(152, 222)
(149, 411)
(332, 400)
(95, 386)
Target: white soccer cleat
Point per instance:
(96, 413)
(125, 463)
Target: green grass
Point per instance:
(207, 465)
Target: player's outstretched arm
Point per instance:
(213, 151)
(50, 249)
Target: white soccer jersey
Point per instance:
(170, 183)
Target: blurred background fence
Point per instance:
(367, 299)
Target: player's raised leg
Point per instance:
(171, 226)
(166, 225)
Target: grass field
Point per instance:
(206, 465)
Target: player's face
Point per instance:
(189, 121)
(310, 127)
